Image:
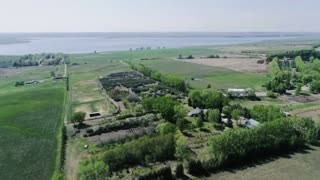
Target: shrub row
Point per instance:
(129, 83)
(305, 55)
(122, 125)
(64, 139)
(140, 152)
(160, 174)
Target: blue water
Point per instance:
(24, 43)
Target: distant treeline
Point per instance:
(304, 54)
(169, 80)
(7, 61)
(40, 59)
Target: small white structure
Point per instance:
(196, 111)
(250, 123)
(240, 92)
(287, 114)
(225, 120)
(32, 82)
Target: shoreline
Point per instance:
(101, 45)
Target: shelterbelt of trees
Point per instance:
(169, 80)
(242, 145)
(304, 54)
(303, 69)
(40, 59)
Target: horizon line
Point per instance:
(307, 32)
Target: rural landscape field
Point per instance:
(159, 90)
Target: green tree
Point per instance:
(299, 88)
(235, 114)
(207, 99)
(183, 151)
(166, 128)
(214, 116)
(227, 111)
(274, 69)
(300, 65)
(93, 170)
(200, 120)
(195, 98)
(179, 171)
(163, 105)
(179, 112)
(181, 124)
(263, 113)
(315, 86)
(52, 74)
(78, 117)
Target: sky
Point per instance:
(159, 16)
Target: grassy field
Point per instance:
(86, 92)
(29, 123)
(218, 77)
(298, 166)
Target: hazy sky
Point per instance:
(159, 15)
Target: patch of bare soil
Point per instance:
(302, 98)
(309, 113)
(84, 108)
(235, 62)
(74, 154)
(72, 161)
(4, 72)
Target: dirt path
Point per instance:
(314, 114)
(124, 63)
(72, 160)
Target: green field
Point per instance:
(30, 120)
(217, 77)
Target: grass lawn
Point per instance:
(29, 124)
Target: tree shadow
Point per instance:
(81, 126)
(187, 134)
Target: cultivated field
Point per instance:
(236, 62)
(29, 125)
(30, 121)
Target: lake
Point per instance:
(31, 43)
